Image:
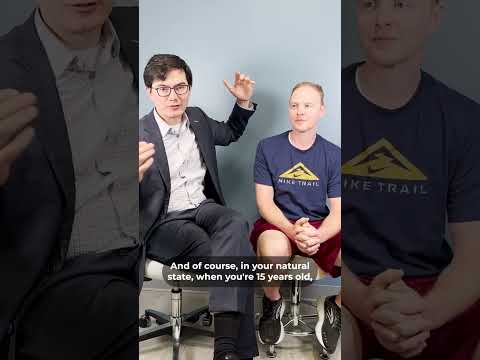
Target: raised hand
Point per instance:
(242, 89)
(145, 158)
(17, 111)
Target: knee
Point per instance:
(273, 246)
(274, 250)
(199, 242)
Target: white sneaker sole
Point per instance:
(321, 319)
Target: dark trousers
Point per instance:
(210, 230)
(87, 311)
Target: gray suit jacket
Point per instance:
(155, 187)
(37, 204)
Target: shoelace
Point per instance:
(271, 309)
(337, 316)
(338, 321)
(278, 311)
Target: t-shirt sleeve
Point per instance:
(464, 178)
(261, 174)
(334, 189)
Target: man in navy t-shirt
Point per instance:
(295, 174)
(410, 156)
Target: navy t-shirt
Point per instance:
(301, 179)
(403, 171)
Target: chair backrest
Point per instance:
(154, 269)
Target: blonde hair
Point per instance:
(312, 85)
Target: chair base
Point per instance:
(301, 328)
(186, 330)
(175, 324)
(297, 324)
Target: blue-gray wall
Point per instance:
(277, 43)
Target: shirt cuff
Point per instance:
(252, 107)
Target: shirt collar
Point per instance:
(60, 56)
(165, 128)
(110, 39)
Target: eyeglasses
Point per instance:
(165, 91)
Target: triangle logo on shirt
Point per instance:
(299, 172)
(382, 160)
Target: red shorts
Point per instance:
(326, 255)
(456, 340)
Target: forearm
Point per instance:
(353, 294)
(224, 133)
(332, 224)
(272, 214)
(330, 227)
(456, 289)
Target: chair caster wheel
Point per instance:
(144, 321)
(207, 320)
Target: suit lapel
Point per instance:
(51, 129)
(160, 158)
(205, 144)
(203, 139)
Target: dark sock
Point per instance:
(227, 325)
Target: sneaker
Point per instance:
(329, 325)
(319, 351)
(270, 327)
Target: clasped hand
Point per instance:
(306, 237)
(396, 314)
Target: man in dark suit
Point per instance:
(182, 209)
(69, 251)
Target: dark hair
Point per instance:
(160, 65)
